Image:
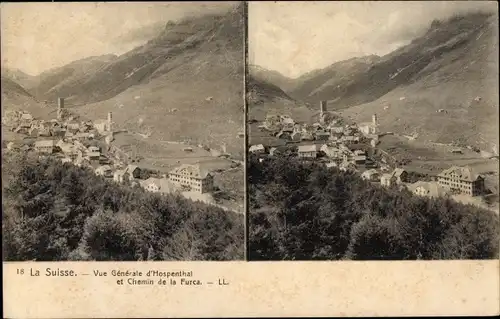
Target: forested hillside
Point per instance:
(61, 212)
(304, 211)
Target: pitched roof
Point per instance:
(104, 168)
(163, 184)
(386, 176)
(432, 189)
(94, 154)
(463, 173)
(130, 168)
(322, 133)
(256, 147)
(370, 172)
(26, 116)
(45, 143)
(308, 148)
(195, 171)
(397, 172)
(119, 172)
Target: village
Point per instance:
(354, 147)
(88, 144)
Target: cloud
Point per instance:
(297, 37)
(40, 36)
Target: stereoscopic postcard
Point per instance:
(249, 159)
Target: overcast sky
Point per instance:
(297, 37)
(39, 36)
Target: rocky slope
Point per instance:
(442, 87)
(185, 84)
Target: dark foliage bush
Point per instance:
(304, 211)
(62, 212)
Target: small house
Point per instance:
(58, 132)
(308, 151)
(158, 185)
(93, 156)
(257, 149)
(104, 170)
(359, 159)
(133, 171)
(347, 166)
(73, 127)
(427, 189)
(331, 151)
(11, 146)
(65, 160)
(296, 136)
(322, 135)
(119, 176)
(331, 164)
(93, 149)
(371, 175)
(307, 136)
(284, 135)
(388, 180)
(401, 175)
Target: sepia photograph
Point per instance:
(373, 130)
(123, 134)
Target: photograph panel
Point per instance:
(372, 130)
(123, 131)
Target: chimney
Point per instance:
(374, 119)
(322, 107)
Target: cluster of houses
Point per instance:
(77, 143)
(63, 128)
(186, 177)
(330, 139)
(327, 128)
(454, 180)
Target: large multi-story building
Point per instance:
(462, 180)
(194, 177)
(45, 147)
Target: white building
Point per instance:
(370, 175)
(104, 170)
(119, 176)
(427, 189)
(257, 149)
(194, 177)
(308, 151)
(388, 180)
(331, 151)
(45, 146)
(369, 128)
(462, 180)
(158, 185)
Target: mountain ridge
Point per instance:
(442, 85)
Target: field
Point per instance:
(432, 158)
(164, 156)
